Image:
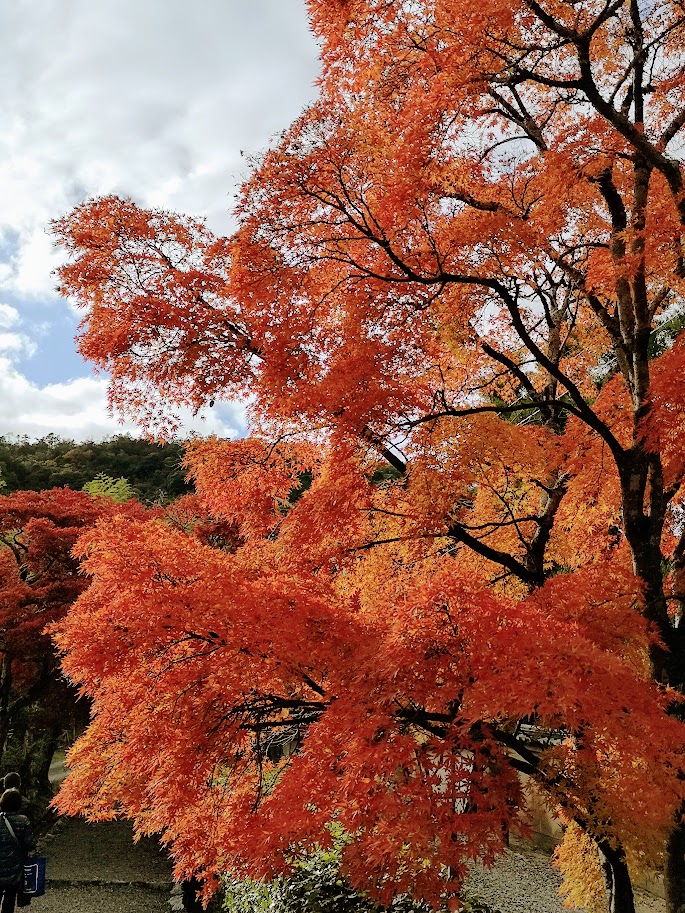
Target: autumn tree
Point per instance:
(39, 580)
(480, 218)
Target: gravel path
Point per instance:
(523, 881)
(96, 868)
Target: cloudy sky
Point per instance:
(152, 99)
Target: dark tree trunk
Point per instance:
(43, 747)
(674, 872)
(617, 880)
(5, 690)
(644, 530)
(644, 506)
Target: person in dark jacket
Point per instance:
(16, 841)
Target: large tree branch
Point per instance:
(459, 533)
(545, 523)
(584, 412)
(512, 367)
(536, 405)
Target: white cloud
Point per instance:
(153, 100)
(77, 410)
(8, 315)
(33, 264)
(17, 343)
(12, 342)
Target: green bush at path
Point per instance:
(315, 886)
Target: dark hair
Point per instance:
(10, 801)
(12, 781)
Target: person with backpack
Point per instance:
(16, 842)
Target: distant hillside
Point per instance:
(153, 471)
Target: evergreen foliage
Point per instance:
(153, 471)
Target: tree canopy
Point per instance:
(39, 580)
(154, 472)
(480, 218)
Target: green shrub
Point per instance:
(315, 886)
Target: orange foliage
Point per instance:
(39, 581)
(452, 546)
(223, 650)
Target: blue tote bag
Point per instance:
(34, 876)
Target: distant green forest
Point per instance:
(153, 471)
